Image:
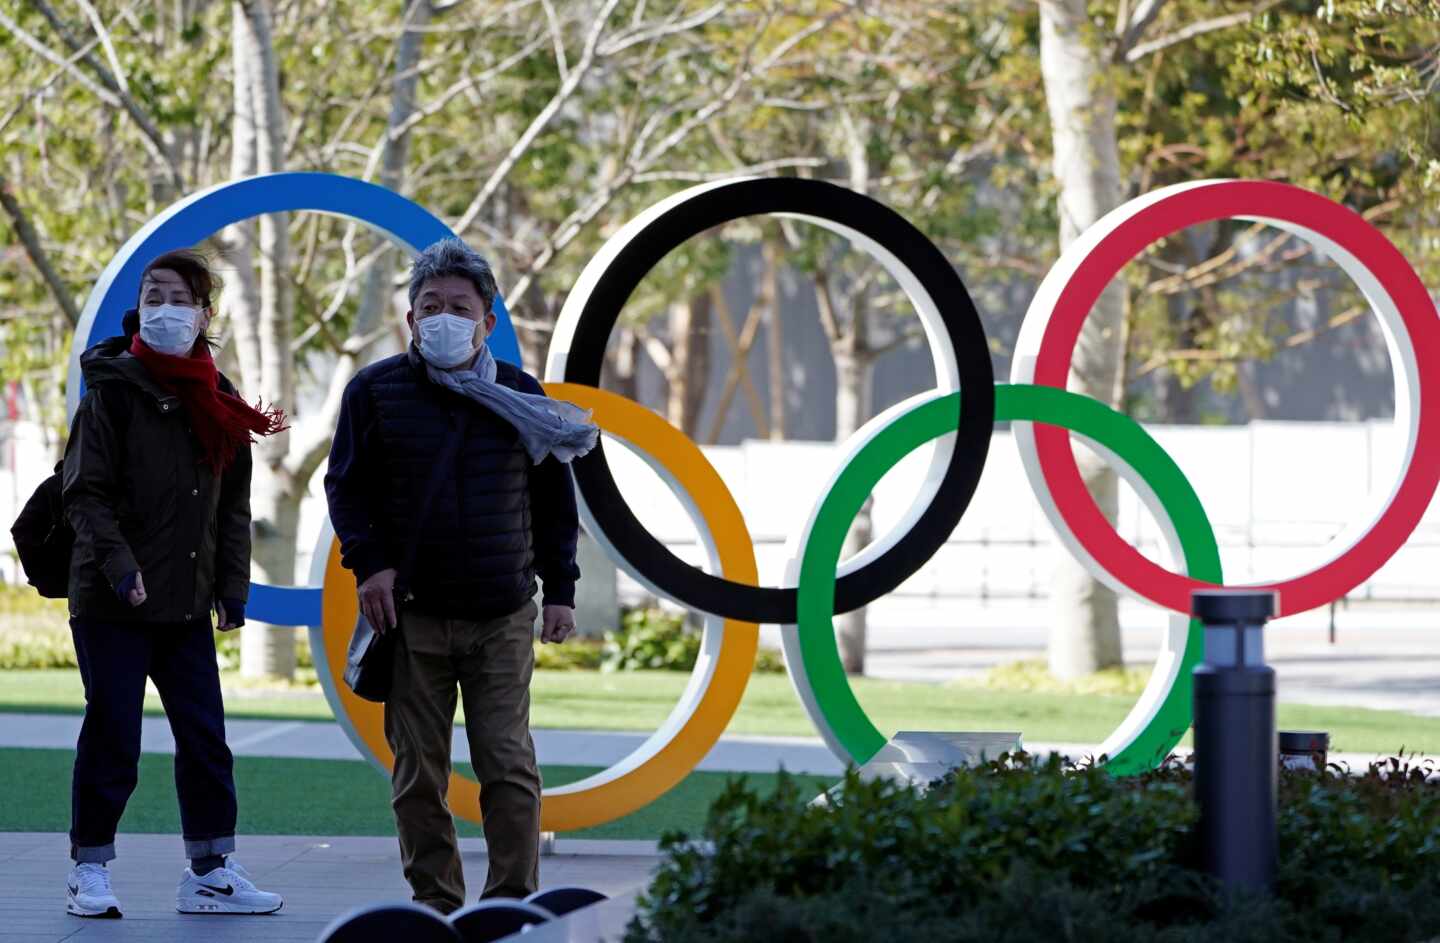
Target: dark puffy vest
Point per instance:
(474, 558)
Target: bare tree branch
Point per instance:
(1138, 22)
(739, 367)
(1198, 28)
(658, 351)
(659, 31)
(310, 448)
(115, 94)
(825, 300)
(698, 176)
(52, 57)
(540, 121)
(466, 84)
(43, 87)
(557, 39)
(30, 239)
(103, 35)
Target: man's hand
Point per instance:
(225, 625)
(377, 600)
(136, 596)
(557, 623)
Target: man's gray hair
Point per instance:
(453, 257)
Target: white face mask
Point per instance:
(447, 340)
(169, 329)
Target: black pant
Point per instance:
(115, 658)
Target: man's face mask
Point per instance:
(169, 329)
(448, 340)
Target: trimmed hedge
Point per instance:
(1022, 849)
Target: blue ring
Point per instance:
(196, 218)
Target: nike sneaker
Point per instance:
(226, 890)
(88, 892)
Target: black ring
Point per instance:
(754, 197)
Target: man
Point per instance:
(454, 572)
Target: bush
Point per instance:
(657, 639)
(24, 613)
(769, 661)
(573, 654)
(1022, 850)
(36, 650)
(651, 638)
(227, 650)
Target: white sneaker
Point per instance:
(88, 892)
(226, 890)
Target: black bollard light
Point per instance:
(1236, 762)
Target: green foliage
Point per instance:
(651, 638)
(769, 661)
(29, 650)
(34, 631)
(227, 650)
(24, 610)
(573, 654)
(1021, 849)
(227, 653)
(654, 638)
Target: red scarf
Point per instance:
(222, 421)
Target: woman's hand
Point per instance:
(229, 617)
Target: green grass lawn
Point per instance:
(311, 797)
(640, 700)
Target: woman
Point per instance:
(157, 488)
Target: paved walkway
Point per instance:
(320, 880)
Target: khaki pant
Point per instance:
(491, 664)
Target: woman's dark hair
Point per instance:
(193, 269)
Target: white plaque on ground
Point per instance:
(920, 757)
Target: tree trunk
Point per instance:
(275, 503)
(240, 299)
(854, 375)
(1085, 631)
(769, 299)
(689, 373)
(286, 463)
(378, 297)
(1178, 400)
(624, 364)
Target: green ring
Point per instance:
(821, 667)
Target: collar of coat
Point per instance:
(110, 360)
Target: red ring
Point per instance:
(1224, 200)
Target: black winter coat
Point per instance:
(495, 522)
(140, 496)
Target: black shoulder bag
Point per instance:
(370, 662)
(44, 539)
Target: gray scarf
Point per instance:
(546, 426)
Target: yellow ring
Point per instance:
(694, 726)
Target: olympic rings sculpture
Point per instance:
(958, 417)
